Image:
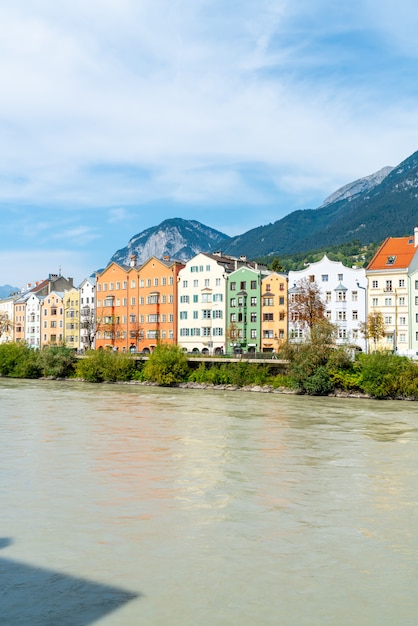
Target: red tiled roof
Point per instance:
(394, 253)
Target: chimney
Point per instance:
(416, 236)
(133, 260)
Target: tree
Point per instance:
(276, 265)
(6, 324)
(373, 327)
(306, 306)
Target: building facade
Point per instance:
(392, 277)
(344, 293)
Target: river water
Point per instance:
(130, 505)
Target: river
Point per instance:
(129, 505)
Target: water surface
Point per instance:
(130, 505)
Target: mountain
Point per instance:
(368, 210)
(388, 208)
(358, 186)
(6, 290)
(176, 238)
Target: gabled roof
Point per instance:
(394, 253)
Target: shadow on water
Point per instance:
(41, 597)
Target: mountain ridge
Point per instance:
(369, 209)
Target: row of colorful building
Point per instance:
(217, 304)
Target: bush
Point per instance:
(103, 366)
(384, 375)
(167, 365)
(56, 361)
(17, 360)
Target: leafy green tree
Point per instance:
(167, 365)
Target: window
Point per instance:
(132, 284)
(328, 296)
(243, 285)
(233, 302)
(340, 277)
(375, 301)
(183, 315)
(141, 283)
(328, 315)
(402, 301)
(108, 301)
(164, 281)
(233, 317)
(195, 332)
(341, 316)
(253, 301)
(206, 331)
(388, 301)
(207, 282)
(217, 282)
(194, 268)
(132, 319)
(206, 314)
(390, 260)
(402, 320)
(155, 282)
(253, 317)
(217, 297)
(342, 333)
(254, 284)
(153, 318)
(133, 301)
(281, 300)
(195, 283)
(253, 333)
(218, 332)
(354, 296)
(355, 315)
(268, 334)
(195, 315)
(341, 295)
(195, 298)
(389, 338)
(324, 278)
(388, 319)
(402, 338)
(268, 317)
(267, 301)
(416, 284)
(206, 297)
(401, 282)
(388, 285)
(217, 314)
(375, 284)
(185, 284)
(233, 285)
(184, 299)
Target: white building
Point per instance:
(87, 292)
(33, 320)
(7, 313)
(344, 293)
(202, 303)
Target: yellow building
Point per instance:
(273, 311)
(72, 318)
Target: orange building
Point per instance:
(157, 295)
(136, 307)
(112, 296)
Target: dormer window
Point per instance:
(391, 260)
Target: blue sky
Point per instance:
(117, 115)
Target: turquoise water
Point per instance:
(132, 505)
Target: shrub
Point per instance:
(386, 375)
(56, 361)
(100, 365)
(17, 360)
(167, 365)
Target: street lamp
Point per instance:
(365, 311)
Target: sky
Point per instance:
(117, 115)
